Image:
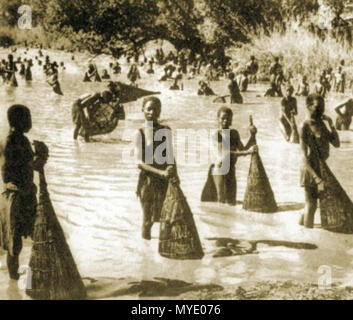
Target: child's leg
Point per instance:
(13, 260)
(147, 223)
(220, 182)
(311, 198)
(231, 188)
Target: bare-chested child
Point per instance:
(18, 162)
(345, 114)
(316, 138)
(229, 148)
(289, 110)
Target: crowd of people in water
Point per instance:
(158, 187)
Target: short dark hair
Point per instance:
(226, 110)
(154, 100)
(314, 96)
(17, 116)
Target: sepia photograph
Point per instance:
(176, 150)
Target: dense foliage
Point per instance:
(101, 24)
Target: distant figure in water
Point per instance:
(18, 162)
(303, 88)
(52, 78)
(150, 69)
(133, 75)
(229, 147)
(277, 76)
(204, 89)
(345, 114)
(92, 74)
(243, 81)
(340, 80)
(315, 145)
(105, 74)
(116, 68)
(178, 81)
(272, 91)
(11, 70)
(320, 88)
(289, 110)
(235, 96)
(22, 70)
(28, 72)
(252, 68)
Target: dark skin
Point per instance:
(284, 114)
(317, 125)
(345, 110)
(151, 112)
(225, 121)
(221, 178)
(24, 127)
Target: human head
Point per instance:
(225, 117)
(231, 76)
(316, 106)
(114, 88)
(276, 59)
(151, 107)
(107, 96)
(19, 117)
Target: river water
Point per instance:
(92, 187)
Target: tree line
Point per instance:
(193, 24)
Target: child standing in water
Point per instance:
(153, 179)
(229, 147)
(133, 75)
(315, 146)
(17, 164)
(158, 189)
(289, 110)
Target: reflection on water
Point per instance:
(93, 190)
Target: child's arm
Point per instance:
(245, 153)
(304, 148)
(338, 108)
(333, 135)
(90, 100)
(139, 159)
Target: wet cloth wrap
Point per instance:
(316, 152)
(151, 188)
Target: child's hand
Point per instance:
(41, 155)
(254, 149)
(253, 130)
(321, 186)
(328, 119)
(168, 173)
